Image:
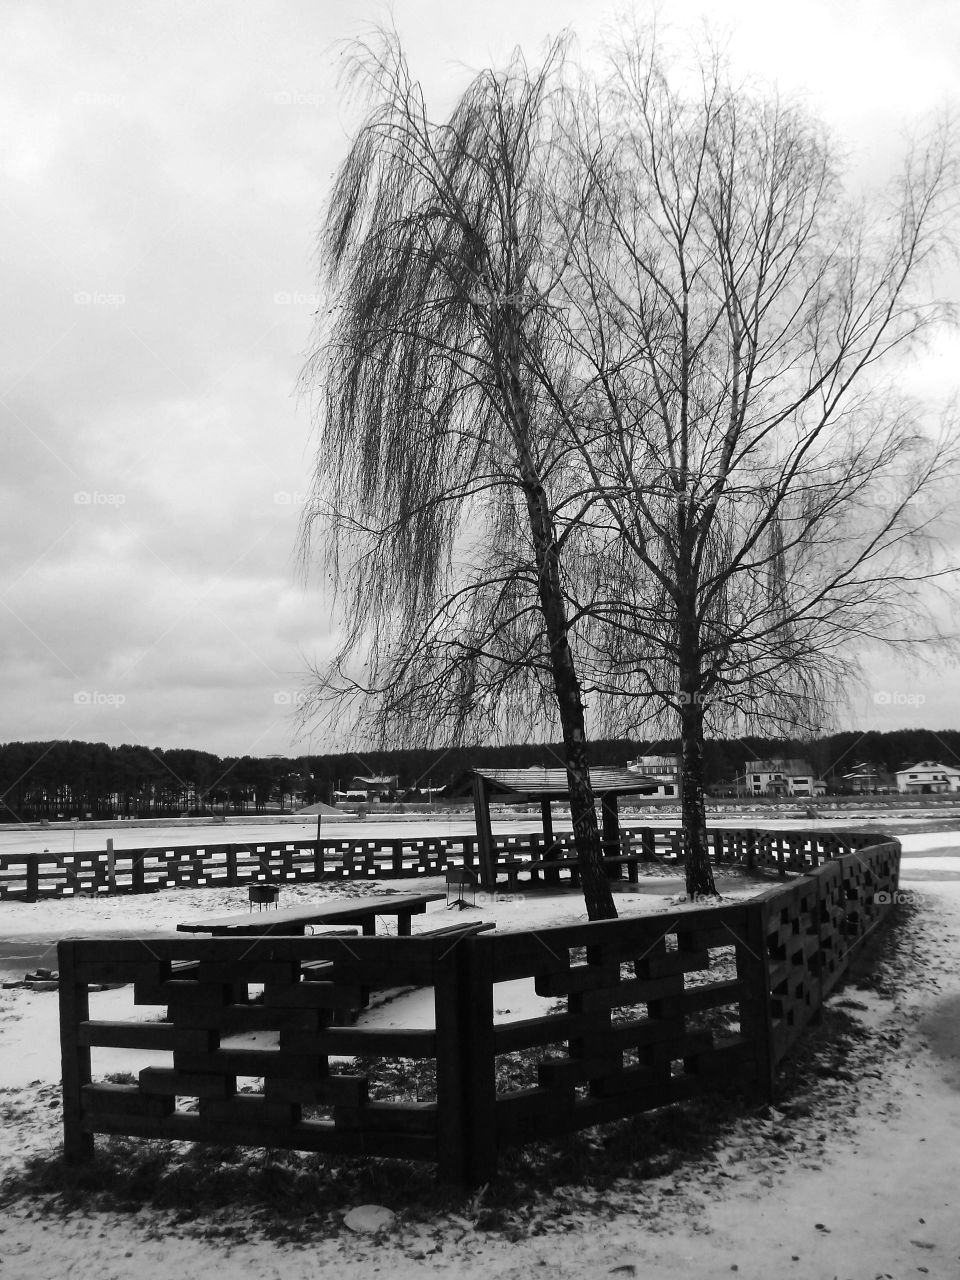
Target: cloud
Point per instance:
(165, 167)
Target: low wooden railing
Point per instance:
(34, 876)
(642, 1012)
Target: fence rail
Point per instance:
(34, 876)
(255, 1046)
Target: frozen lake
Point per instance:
(66, 840)
(414, 826)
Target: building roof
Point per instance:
(665, 764)
(862, 771)
(514, 786)
(791, 767)
(930, 764)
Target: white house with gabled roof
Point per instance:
(928, 777)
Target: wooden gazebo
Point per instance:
(543, 786)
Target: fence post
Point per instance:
(111, 867)
(818, 1013)
(33, 876)
(466, 1085)
(648, 844)
(136, 870)
(718, 849)
(75, 1060)
(479, 1057)
(753, 967)
(751, 851)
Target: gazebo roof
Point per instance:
(517, 786)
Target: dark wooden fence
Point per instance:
(639, 1013)
(33, 876)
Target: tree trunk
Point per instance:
(586, 833)
(566, 684)
(699, 873)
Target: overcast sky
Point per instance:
(164, 166)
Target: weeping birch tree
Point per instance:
(738, 325)
(446, 489)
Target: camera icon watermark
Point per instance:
(290, 698)
(95, 699)
(287, 498)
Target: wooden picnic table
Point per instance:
(295, 920)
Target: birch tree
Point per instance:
(738, 325)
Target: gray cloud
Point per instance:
(164, 167)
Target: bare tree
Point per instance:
(449, 491)
(771, 496)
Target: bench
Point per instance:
(317, 970)
(540, 866)
(632, 861)
(459, 930)
(296, 920)
(512, 866)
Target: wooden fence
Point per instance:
(34, 876)
(251, 1047)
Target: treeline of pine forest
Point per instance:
(91, 779)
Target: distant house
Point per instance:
(664, 770)
(928, 777)
(781, 778)
(428, 793)
(380, 787)
(864, 780)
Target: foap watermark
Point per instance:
(291, 498)
(900, 898)
(522, 299)
(895, 698)
(294, 298)
(95, 699)
(93, 498)
(294, 98)
(687, 699)
(498, 899)
(98, 298)
(97, 98)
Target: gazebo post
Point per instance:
(481, 811)
(547, 812)
(611, 833)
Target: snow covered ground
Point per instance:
(855, 1178)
